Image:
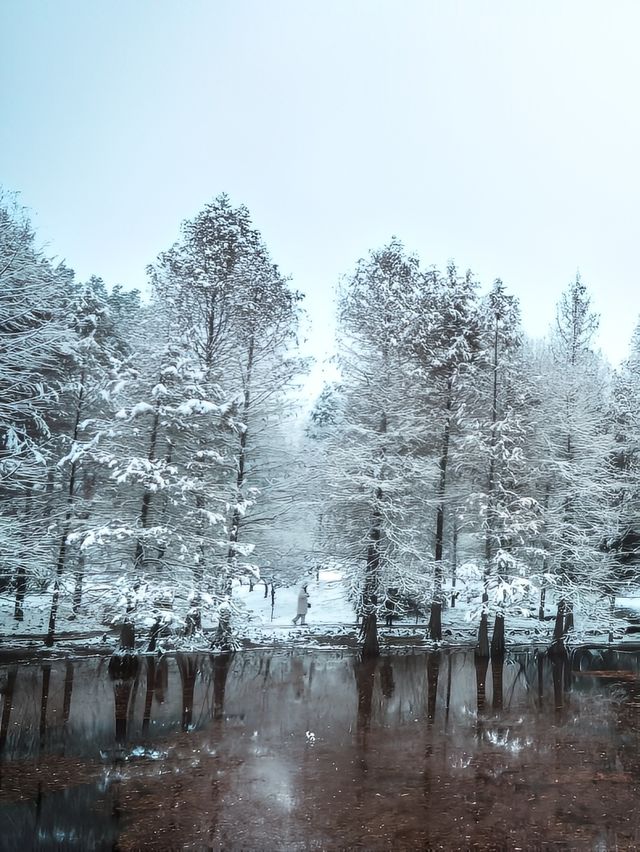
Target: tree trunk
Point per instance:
(21, 591)
(435, 621)
(557, 645)
(138, 554)
(454, 560)
(66, 528)
(77, 589)
(234, 527)
(497, 640)
(543, 595)
(482, 649)
(369, 633)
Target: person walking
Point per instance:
(303, 605)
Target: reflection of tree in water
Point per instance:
(387, 684)
(433, 671)
(188, 666)
(481, 663)
(497, 679)
(7, 705)
(221, 664)
(365, 675)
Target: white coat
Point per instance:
(303, 602)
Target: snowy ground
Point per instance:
(331, 622)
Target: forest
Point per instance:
(155, 454)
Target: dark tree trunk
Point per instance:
(557, 645)
(454, 560)
(540, 680)
(7, 705)
(44, 701)
(435, 621)
(21, 591)
(365, 673)
(138, 554)
(77, 589)
(497, 669)
(234, 527)
(369, 628)
(481, 666)
(121, 695)
(221, 666)
(68, 690)
(188, 667)
(543, 595)
(558, 662)
(497, 640)
(66, 527)
(482, 649)
(148, 698)
(433, 672)
(369, 632)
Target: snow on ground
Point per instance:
(331, 620)
(326, 596)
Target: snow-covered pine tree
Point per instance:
(34, 335)
(577, 458)
(91, 360)
(497, 463)
(626, 414)
(441, 340)
(369, 499)
(219, 283)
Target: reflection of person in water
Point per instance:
(303, 605)
(297, 678)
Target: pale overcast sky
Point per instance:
(504, 135)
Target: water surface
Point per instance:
(322, 751)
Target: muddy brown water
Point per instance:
(296, 751)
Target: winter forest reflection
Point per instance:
(322, 750)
